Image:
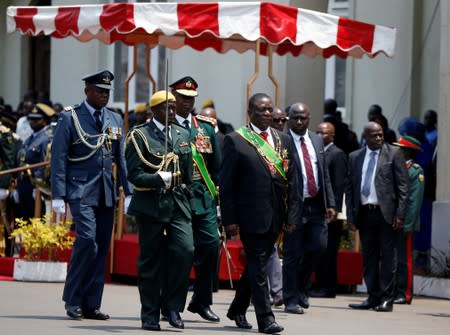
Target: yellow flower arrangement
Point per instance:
(39, 236)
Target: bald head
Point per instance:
(209, 112)
(326, 131)
(373, 134)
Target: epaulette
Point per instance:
(416, 166)
(70, 108)
(208, 119)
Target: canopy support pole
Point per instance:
(255, 75)
(271, 76)
(127, 85)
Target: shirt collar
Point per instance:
(181, 119)
(160, 125)
(91, 109)
(257, 130)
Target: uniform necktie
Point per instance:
(166, 130)
(98, 121)
(369, 172)
(265, 136)
(186, 124)
(310, 180)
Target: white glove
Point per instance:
(3, 193)
(58, 206)
(127, 202)
(166, 177)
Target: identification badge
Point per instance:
(114, 133)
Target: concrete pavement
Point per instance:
(37, 309)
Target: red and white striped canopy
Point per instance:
(222, 25)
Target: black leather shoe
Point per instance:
(400, 301)
(74, 312)
(278, 300)
(366, 304)
(151, 325)
(164, 315)
(174, 319)
(205, 312)
(271, 328)
(303, 301)
(95, 314)
(294, 309)
(385, 306)
(240, 320)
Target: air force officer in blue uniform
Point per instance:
(88, 140)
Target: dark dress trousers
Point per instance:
(163, 218)
(375, 222)
(255, 199)
(88, 186)
(326, 271)
(302, 249)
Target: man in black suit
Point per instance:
(303, 248)
(258, 190)
(376, 199)
(326, 271)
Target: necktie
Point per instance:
(186, 124)
(166, 130)
(98, 121)
(369, 172)
(265, 136)
(310, 181)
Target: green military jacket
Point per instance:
(7, 154)
(415, 196)
(203, 136)
(143, 152)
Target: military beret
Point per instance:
(100, 79)
(411, 126)
(40, 111)
(409, 142)
(185, 86)
(140, 108)
(160, 97)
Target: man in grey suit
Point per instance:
(88, 139)
(303, 248)
(376, 199)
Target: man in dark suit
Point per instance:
(88, 139)
(160, 204)
(206, 160)
(326, 271)
(303, 248)
(258, 190)
(376, 199)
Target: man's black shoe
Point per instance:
(74, 312)
(303, 301)
(95, 314)
(278, 300)
(385, 306)
(322, 293)
(151, 325)
(240, 320)
(164, 315)
(400, 301)
(293, 309)
(271, 328)
(174, 319)
(366, 304)
(204, 311)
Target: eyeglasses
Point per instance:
(278, 120)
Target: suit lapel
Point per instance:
(359, 167)
(106, 119)
(86, 118)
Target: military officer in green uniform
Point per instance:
(404, 276)
(159, 163)
(206, 162)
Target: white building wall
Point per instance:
(382, 80)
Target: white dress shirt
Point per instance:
(372, 198)
(259, 131)
(312, 157)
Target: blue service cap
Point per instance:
(412, 126)
(100, 79)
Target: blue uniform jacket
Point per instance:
(35, 148)
(86, 179)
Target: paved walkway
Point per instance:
(37, 309)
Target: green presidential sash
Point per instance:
(200, 163)
(267, 152)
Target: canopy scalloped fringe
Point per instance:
(222, 26)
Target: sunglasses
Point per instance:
(278, 120)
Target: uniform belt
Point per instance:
(370, 207)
